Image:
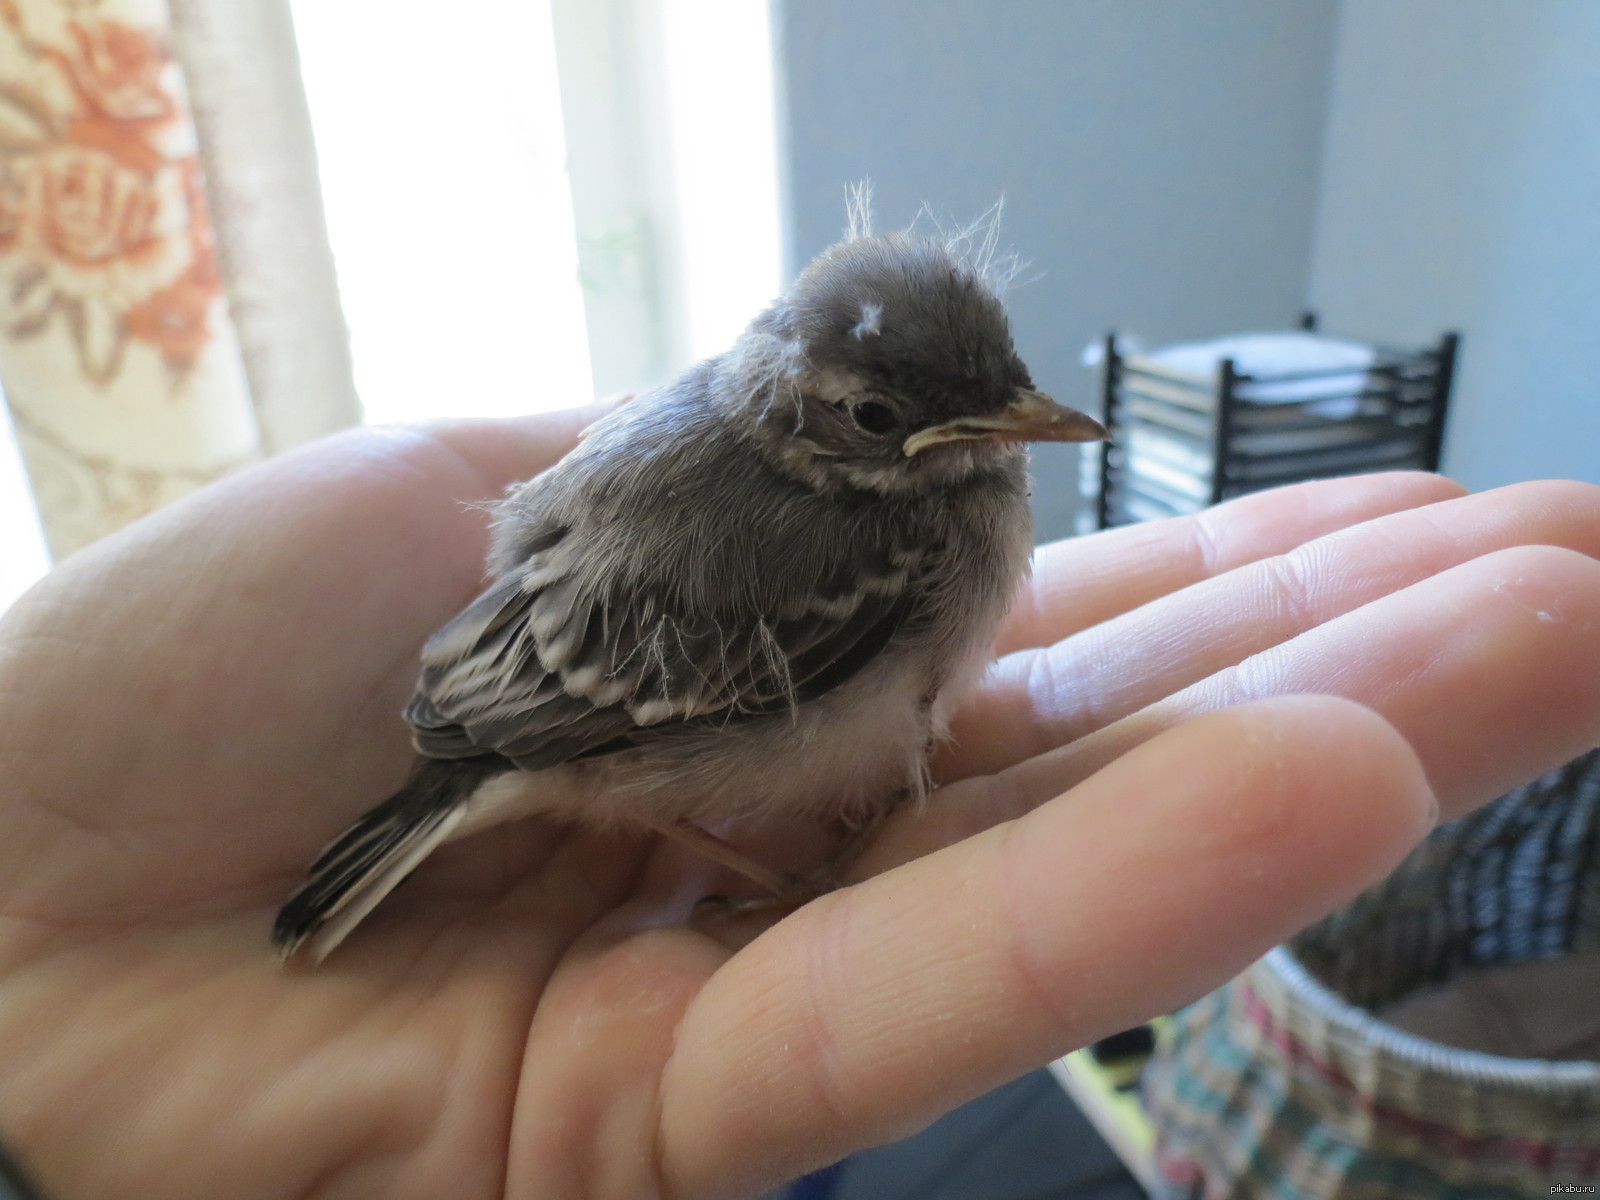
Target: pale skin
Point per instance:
(1266, 708)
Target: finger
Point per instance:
(1035, 700)
(1080, 582)
(882, 1006)
(1491, 671)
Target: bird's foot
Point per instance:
(798, 892)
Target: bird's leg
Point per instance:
(857, 835)
(855, 838)
(709, 845)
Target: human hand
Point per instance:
(191, 707)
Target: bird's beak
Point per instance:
(1030, 417)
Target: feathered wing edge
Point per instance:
(368, 861)
(545, 673)
(528, 719)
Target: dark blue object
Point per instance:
(13, 1184)
(819, 1185)
(1024, 1141)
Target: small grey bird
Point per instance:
(756, 590)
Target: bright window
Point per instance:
(442, 146)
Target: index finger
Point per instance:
(1083, 581)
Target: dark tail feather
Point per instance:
(366, 862)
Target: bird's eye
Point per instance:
(873, 416)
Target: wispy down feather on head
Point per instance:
(975, 243)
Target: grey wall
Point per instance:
(1461, 187)
(1159, 161)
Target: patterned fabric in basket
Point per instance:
(1284, 1084)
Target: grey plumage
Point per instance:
(757, 589)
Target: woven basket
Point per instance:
(1284, 1083)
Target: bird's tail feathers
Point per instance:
(366, 862)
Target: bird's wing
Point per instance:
(555, 662)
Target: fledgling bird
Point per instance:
(757, 590)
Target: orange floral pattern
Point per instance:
(103, 224)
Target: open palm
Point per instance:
(1145, 795)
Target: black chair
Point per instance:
(1180, 441)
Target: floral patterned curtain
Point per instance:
(120, 357)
